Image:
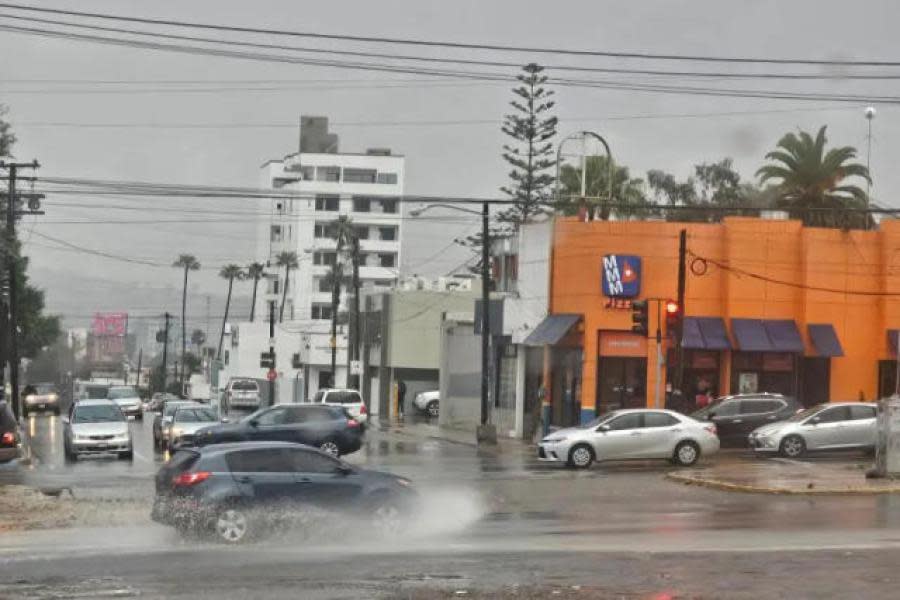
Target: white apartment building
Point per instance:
(365, 187)
(325, 184)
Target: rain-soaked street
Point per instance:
(493, 522)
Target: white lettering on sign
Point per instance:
(620, 343)
(613, 278)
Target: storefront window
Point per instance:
(757, 372)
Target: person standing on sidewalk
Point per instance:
(401, 397)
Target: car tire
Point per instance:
(686, 454)
(233, 525)
(128, 455)
(581, 456)
(433, 409)
(330, 447)
(793, 446)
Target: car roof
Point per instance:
(229, 446)
(847, 403)
(338, 390)
(96, 402)
(626, 411)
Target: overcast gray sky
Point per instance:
(646, 130)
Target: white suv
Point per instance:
(351, 400)
(242, 393)
(429, 402)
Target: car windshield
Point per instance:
(122, 392)
(596, 422)
(171, 407)
(103, 413)
(96, 392)
(44, 388)
(195, 415)
(806, 413)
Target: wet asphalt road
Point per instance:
(494, 523)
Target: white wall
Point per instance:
(522, 312)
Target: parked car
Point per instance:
(833, 426)
(10, 435)
(163, 418)
(235, 492)
(242, 393)
(351, 400)
(632, 434)
(328, 428)
(736, 416)
(128, 399)
(97, 427)
(428, 402)
(185, 423)
(40, 396)
(158, 400)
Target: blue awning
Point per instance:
(714, 334)
(784, 335)
(691, 338)
(824, 339)
(893, 334)
(750, 335)
(551, 330)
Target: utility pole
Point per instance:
(207, 318)
(659, 356)
(355, 329)
(682, 275)
(137, 382)
(165, 363)
(12, 348)
(272, 352)
(486, 433)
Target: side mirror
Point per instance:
(603, 428)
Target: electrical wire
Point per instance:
(445, 44)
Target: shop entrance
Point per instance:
(621, 383)
(887, 378)
(757, 372)
(815, 375)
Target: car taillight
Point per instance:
(712, 429)
(362, 410)
(352, 423)
(185, 479)
(8, 439)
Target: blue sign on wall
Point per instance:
(621, 275)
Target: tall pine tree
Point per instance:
(530, 153)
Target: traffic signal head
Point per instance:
(639, 316)
(673, 315)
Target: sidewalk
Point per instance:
(426, 430)
(743, 473)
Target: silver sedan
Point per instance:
(632, 434)
(833, 426)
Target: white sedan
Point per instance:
(632, 434)
(428, 402)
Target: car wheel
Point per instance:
(581, 456)
(232, 525)
(433, 408)
(792, 446)
(330, 447)
(687, 453)
(129, 455)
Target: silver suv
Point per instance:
(242, 393)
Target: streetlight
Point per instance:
(609, 159)
(485, 433)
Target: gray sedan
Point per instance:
(96, 427)
(833, 426)
(631, 434)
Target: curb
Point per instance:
(718, 484)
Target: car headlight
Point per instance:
(176, 432)
(552, 440)
(53, 397)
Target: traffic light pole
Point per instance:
(272, 351)
(659, 356)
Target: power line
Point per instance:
(471, 62)
(445, 44)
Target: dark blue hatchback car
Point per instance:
(238, 491)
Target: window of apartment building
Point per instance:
(387, 260)
(321, 311)
(307, 173)
(328, 174)
(386, 178)
(361, 232)
(362, 204)
(359, 175)
(324, 230)
(327, 203)
(388, 234)
(323, 285)
(279, 207)
(389, 205)
(324, 258)
(277, 233)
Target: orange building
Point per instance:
(770, 305)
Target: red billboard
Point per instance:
(110, 324)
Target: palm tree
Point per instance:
(344, 232)
(289, 261)
(255, 271)
(229, 272)
(188, 262)
(810, 181)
